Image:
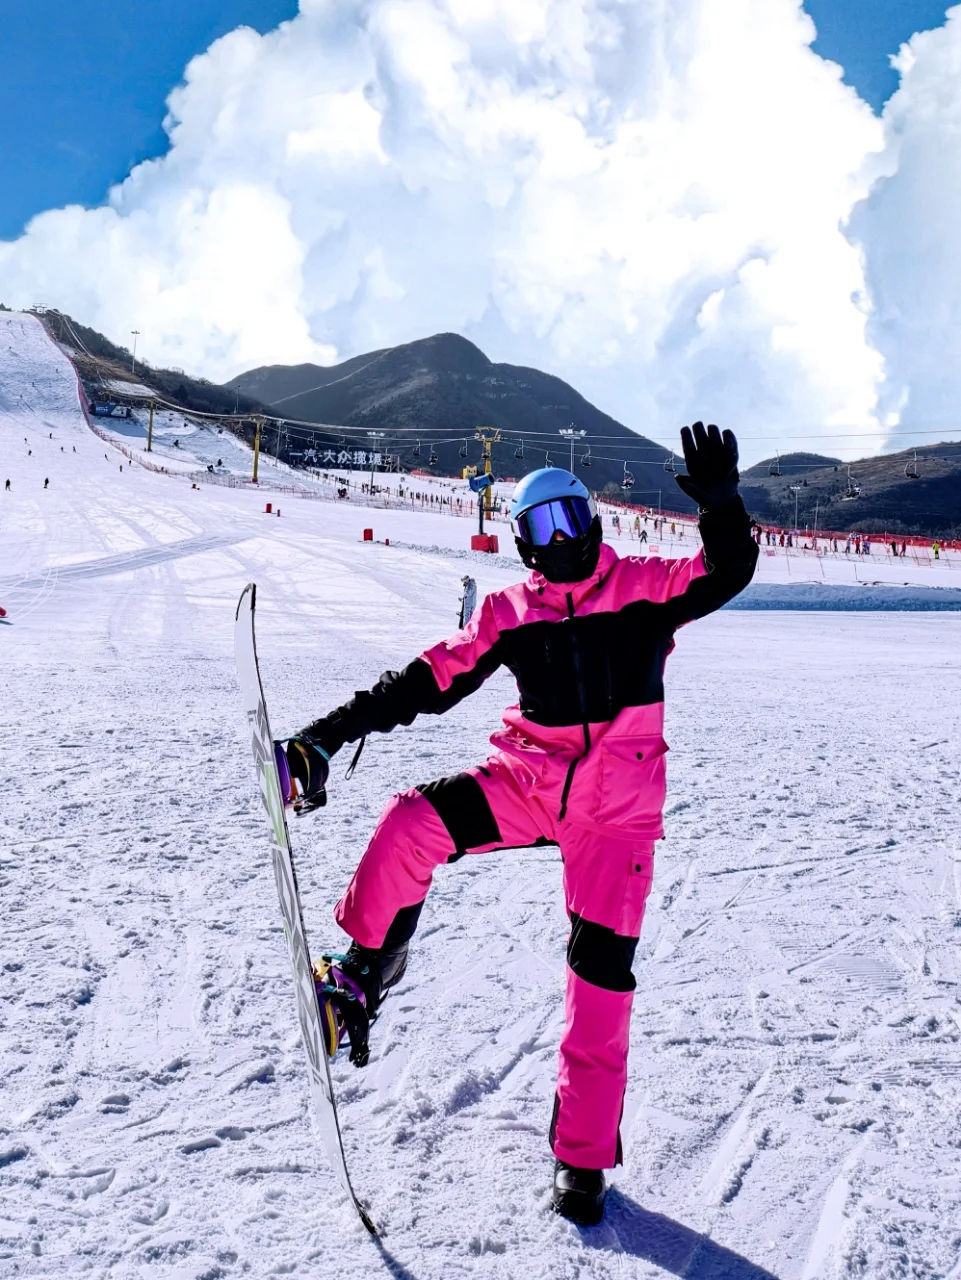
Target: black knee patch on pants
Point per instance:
(402, 926)
(462, 807)
(601, 956)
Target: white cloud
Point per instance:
(910, 229)
(649, 200)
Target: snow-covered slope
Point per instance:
(793, 1106)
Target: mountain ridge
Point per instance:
(445, 387)
(915, 491)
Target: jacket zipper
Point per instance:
(579, 681)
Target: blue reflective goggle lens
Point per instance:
(570, 516)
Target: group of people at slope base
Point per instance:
(850, 544)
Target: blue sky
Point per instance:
(335, 195)
(860, 35)
(82, 86)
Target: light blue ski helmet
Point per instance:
(546, 485)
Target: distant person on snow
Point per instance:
(7, 485)
(580, 763)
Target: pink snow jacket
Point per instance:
(589, 660)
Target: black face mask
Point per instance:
(570, 560)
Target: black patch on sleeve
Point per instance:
(731, 555)
(601, 956)
(462, 807)
(399, 697)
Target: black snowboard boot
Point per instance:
(375, 970)
(350, 990)
(578, 1194)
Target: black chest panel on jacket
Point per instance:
(589, 668)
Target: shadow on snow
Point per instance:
(668, 1244)
(396, 1270)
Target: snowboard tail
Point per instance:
(315, 1035)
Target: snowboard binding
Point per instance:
(343, 1009)
(350, 990)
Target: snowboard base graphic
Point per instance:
(321, 1086)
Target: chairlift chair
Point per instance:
(547, 460)
(628, 480)
(417, 449)
(775, 468)
(463, 450)
(911, 468)
(670, 466)
(852, 491)
(519, 451)
(586, 460)
(432, 460)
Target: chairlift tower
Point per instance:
(488, 436)
(375, 436)
(571, 433)
(796, 490)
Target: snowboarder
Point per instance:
(468, 602)
(579, 763)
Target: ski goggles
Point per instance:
(569, 516)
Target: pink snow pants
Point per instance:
(607, 877)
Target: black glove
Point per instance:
(304, 768)
(711, 460)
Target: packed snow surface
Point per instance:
(793, 1107)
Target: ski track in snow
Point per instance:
(793, 1101)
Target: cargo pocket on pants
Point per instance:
(640, 876)
(631, 780)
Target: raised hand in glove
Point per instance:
(711, 460)
(304, 768)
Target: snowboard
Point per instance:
(308, 1012)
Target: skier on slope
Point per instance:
(580, 763)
